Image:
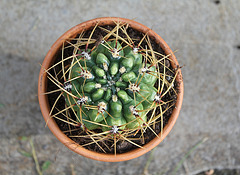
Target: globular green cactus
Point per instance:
(111, 86)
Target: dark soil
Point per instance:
(122, 146)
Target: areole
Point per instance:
(45, 107)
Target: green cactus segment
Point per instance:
(124, 97)
(111, 87)
(114, 67)
(89, 87)
(101, 59)
(128, 76)
(116, 108)
(148, 78)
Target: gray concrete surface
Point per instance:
(206, 35)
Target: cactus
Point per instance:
(108, 87)
(113, 87)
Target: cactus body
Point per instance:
(111, 86)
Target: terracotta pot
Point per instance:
(45, 108)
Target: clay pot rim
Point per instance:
(45, 108)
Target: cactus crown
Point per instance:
(112, 84)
